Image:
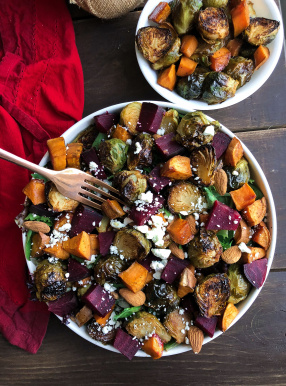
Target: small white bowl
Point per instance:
(256, 173)
(263, 8)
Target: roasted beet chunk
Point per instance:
(84, 219)
(97, 299)
(64, 306)
(77, 271)
(127, 345)
(168, 146)
(90, 158)
(105, 121)
(256, 272)
(222, 217)
(105, 240)
(220, 143)
(150, 118)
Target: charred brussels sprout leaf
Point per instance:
(129, 116)
(50, 281)
(132, 244)
(261, 31)
(213, 24)
(186, 197)
(239, 285)
(130, 184)
(203, 162)
(113, 154)
(190, 87)
(184, 14)
(161, 296)
(240, 69)
(170, 121)
(238, 175)
(215, 3)
(218, 87)
(247, 51)
(172, 56)
(205, 249)
(140, 151)
(154, 42)
(212, 294)
(175, 324)
(108, 268)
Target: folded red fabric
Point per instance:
(41, 96)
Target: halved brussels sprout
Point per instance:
(140, 151)
(130, 184)
(175, 323)
(218, 87)
(170, 121)
(108, 269)
(238, 175)
(113, 154)
(50, 281)
(239, 285)
(247, 51)
(184, 14)
(154, 42)
(172, 56)
(186, 197)
(56, 201)
(190, 87)
(213, 24)
(261, 31)
(132, 244)
(240, 69)
(144, 324)
(161, 296)
(205, 249)
(215, 3)
(129, 116)
(87, 137)
(203, 162)
(212, 294)
(95, 331)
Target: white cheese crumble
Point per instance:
(209, 130)
(235, 173)
(109, 287)
(117, 224)
(93, 166)
(184, 213)
(141, 228)
(158, 267)
(146, 197)
(65, 227)
(138, 148)
(244, 248)
(113, 250)
(161, 131)
(161, 253)
(128, 141)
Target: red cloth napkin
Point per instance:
(41, 96)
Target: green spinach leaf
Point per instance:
(256, 190)
(172, 344)
(33, 217)
(28, 244)
(98, 139)
(212, 196)
(39, 176)
(127, 312)
(225, 238)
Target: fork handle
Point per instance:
(26, 164)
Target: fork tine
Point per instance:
(108, 195)
(87, 202)
(91, 195)
(98, 182)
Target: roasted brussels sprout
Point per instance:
(140, 151)
(190, 132)
(184, 14)
(172, 56)
(212, 294)
(50, 281)
(82, 290)
(240, 69)
(205, 249)
(176, 323)
(170, 121)
(161, 296)
(261, 31)
(154, 42)
(186, 197)
(203, 162)
(95, 331)
(129, 116)
(238, 175)
(108, 268)
(130, 184)
(87, 137)
(132, 244)
(56, 201)
(239, 285)
(144, 324)
(218, 87)
(247, 51)
(113, 154)
(215, 3)
(190, 87)
(213, 24)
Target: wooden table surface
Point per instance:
(253, 352)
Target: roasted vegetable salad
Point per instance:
(206, 49)
(164, 268)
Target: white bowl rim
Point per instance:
(246, 91)
(81, 125)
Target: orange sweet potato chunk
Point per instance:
(74, 151)
(243, 197)
(112, 209)
(261, 55)
(39, 240)
(254, 213)
(134, 277)
(154, 347)
(262, 236)
(177, 168)
(160, 13)
(189, 45)
(167, 78)
(180, 231)
(220, 59)
(255, 254)
(234, 152)
(240, 17)
(57, 251)
(35, 191)
(79, 246)
(57, 151)
(121, 133)
(229, 315)
(94, 244)
(103, 319)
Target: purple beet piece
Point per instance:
(220, 143)
(105, 121)
(77, 271)
(84, 219)
(98, 300)
(127, 345)
(140, 214)
(173, 269)
(65, 305)
(207, 325)
(155, 180)
(147, 262)
(168, 146)
(150, 118)
(105, 240)
(222, 217)
(43, 210)
(256, 272)
(91, 156)
(189, 304)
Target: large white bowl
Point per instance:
(256, 173)
(264, 8)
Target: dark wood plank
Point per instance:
(250, 353)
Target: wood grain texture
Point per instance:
(251, 353)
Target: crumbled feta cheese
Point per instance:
(113, 250)
(162, 253)
(128, 141)
(138, 148)
(209, 130)
(65, 227)
(67, 275)
(244, 248)
(93, 166)
(141, 228)
(117, 224)
(235, 173)
(161, 131)
(146, 197)
(109, 287)
(187, 340)
(184, 213)
(196, 216)
(181, 311)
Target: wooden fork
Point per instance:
(71, 183)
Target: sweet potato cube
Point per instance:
(160, 13)
(180, 231)
(83, 316)
(240, 17)
(57, 251)
(112, 209)
(255, 254)
(186, 67)
(35, 191)
(243, 196)
(261, 55)
(254, 213)
(178, 168)
(229, 315)
(262, 236)
(103, 319)
(153, 347)
(220, 59)
(79, 246)
(57, 151)
(189, 45)
(39, 241)
(62, 220)
(187, 282)
(149, 277)
(242, 234)
(121, 133)
(74, 151)
(134, 277)
(94, 245)
(234, 46)
(167, 78)
(234, 152)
